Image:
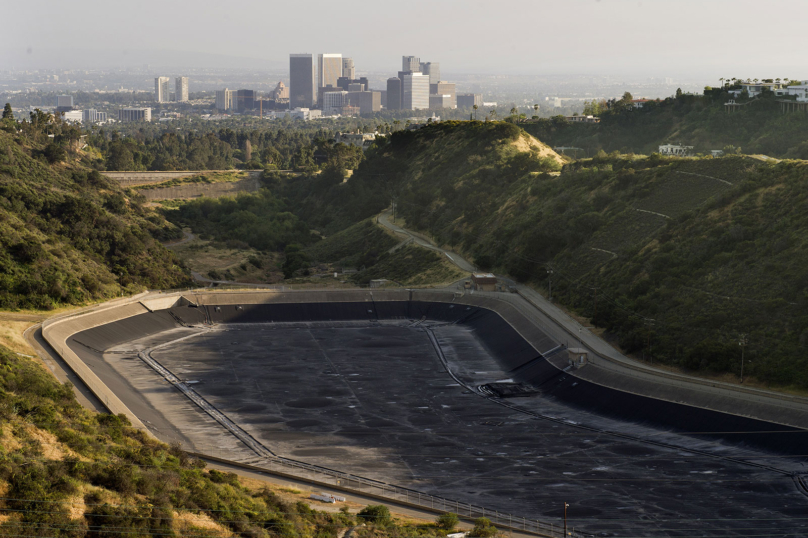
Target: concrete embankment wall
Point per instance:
(516, 342)
(58, 332)
(196, 190)
(133, 179)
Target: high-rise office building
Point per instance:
(329, 69)
(301, 81)
(348, 69)
(280, 93)
(411, 63)
(126, 115)
(468, 100)
(414, 91)
(91, 115)
(393, 93)
(444, 88)
(181, 89)
(245, 100)
(224, 99)
(345, 82)
(162, 89)
(432, 69)
(367, 101)
(64, 101)
(333, 100)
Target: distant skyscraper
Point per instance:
(414, 91)
(433, 70)
(181, 89)
(332, 101)
(245, 100)
(468, 100)
(64, 101)
(302, 81)
(126, 115)
(411, 63)
(162, 89)
(394, 93)
(224, 100)
(348, 69)
(329, 69)
(281, 92)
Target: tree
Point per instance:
(7, 113)
(483, 528)
(54, 153)
(375, 513)
(475, 107)
(247, 150)
(447, 521)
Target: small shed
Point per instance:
(378, 283)
(578, 357)
(484, 281)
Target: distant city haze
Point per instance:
(713, 38)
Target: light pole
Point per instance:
(550, 278)
(742, 342)
(565, 519)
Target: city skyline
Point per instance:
(580, 36)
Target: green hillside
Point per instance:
(355, 246)
(69, 235)
(758, 127)
(68, 472)
(708, 249)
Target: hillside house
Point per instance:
(583, 119)
(675, 150)
(798, 90)
(756, 88)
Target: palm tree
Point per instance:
(536, 108)
(475, 107)
(722, 81)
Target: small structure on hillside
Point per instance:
(484, 281)
(379, 283)
(583, 119)
(578, 357)
(675, 149)
(359, 140)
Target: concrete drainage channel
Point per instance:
(323, 476)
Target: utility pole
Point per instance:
(550, 279)
(565, 519)
(742, 341)
(650, 323)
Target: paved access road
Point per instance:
(385, 220)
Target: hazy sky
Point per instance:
(704, 38)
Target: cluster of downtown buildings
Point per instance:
(327, 85)
(319, 86)
(331, 86)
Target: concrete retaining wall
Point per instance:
(132, 179)
(500, 322)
